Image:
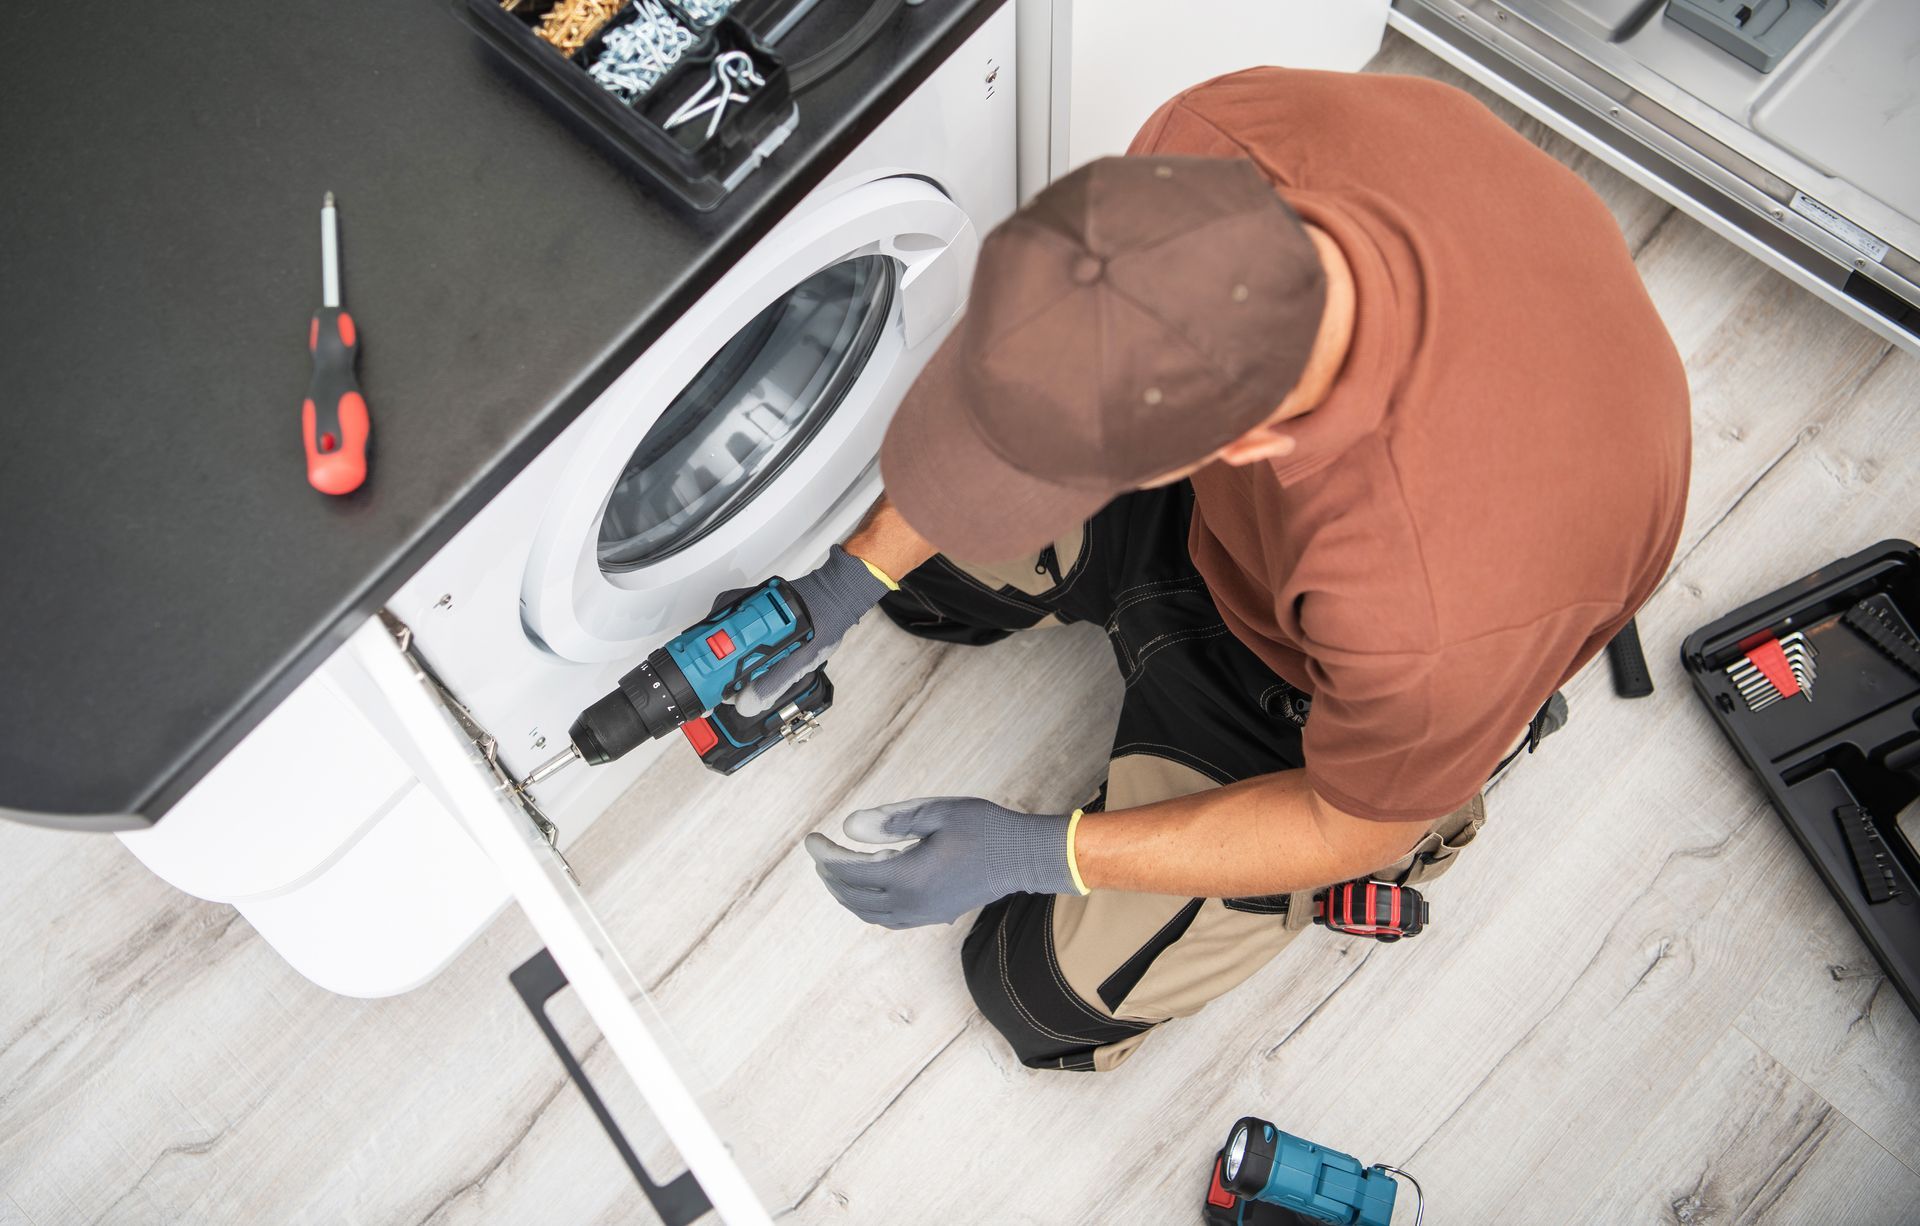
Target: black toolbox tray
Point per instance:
(1815, 755)
(699, 172)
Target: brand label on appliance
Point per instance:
(1838, 226)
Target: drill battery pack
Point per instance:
(727, 740)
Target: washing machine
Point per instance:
(742, 444)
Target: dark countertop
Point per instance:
(170, 575)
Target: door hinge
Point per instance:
(485, 745)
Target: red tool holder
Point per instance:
(1376, 909)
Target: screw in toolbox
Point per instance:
(633, 57)
(705, 12)
(569, 24)
(730, 69)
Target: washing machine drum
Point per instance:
(748, 413)
(730, 450)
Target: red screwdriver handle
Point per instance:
(334, 420)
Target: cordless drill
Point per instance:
(1266, 1177)
(685, 684)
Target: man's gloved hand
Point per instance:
(970, 852)
(837, 595)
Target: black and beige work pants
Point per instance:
(1079, 983)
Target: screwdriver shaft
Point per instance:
(329, 254)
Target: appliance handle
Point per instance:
(679, 1201)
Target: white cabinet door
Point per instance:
(1091, 71)
(578, 950)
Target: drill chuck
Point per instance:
(651, 701)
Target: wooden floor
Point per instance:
(1636, 1004)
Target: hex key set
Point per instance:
(687, 91)
(1818, 687)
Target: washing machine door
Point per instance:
(742, 440)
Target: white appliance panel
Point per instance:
(305, 782)
(416, 888)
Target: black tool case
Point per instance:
(1841, 763)
(698, 170)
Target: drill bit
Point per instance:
(552, 766)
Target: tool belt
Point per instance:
(1437, 849)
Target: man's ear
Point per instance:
(1259, 443)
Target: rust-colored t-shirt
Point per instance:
(1497, 480)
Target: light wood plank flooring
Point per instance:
(1636, 1002)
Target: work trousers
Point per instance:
(1079, 982)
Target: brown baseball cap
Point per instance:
(1131, 319)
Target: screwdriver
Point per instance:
(333, 421)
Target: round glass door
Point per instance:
(748, 412)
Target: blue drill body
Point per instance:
(720, 655)
(694, 673)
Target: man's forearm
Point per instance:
(1268, 835)
(885, 539)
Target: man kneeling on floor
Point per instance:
(1343, 409)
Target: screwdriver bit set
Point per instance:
(684, 90)
(1841, 761)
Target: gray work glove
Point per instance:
(970, 852)
(837, 595)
